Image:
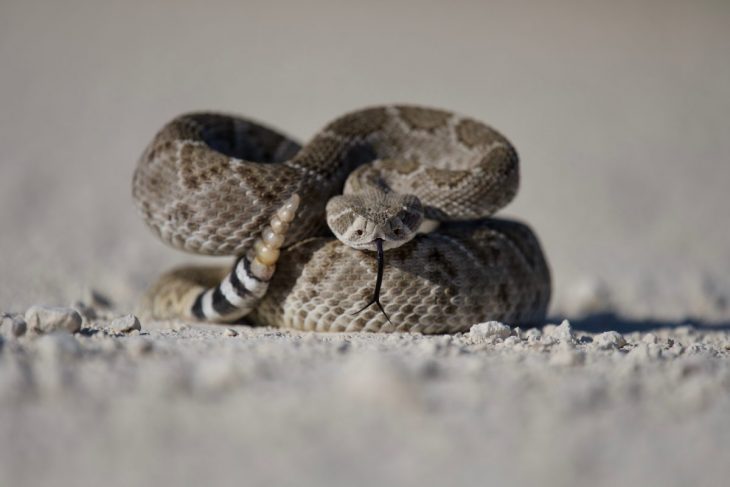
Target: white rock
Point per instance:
(47, 319)
(609, 340)
(230, 332)
(532, 334)
(15, 324)
(562, 333)
(490, 329)
(126, 324)
(58, 345)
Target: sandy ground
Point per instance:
(620, 112)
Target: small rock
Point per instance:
(58, 345)
(490, 329)
(609, 340)
(15, 323)
(126, 324)
(47, 319)
(532, 334)
(230, 332)
(563, 332)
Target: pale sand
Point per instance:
(620, 113)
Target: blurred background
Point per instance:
(620, 111)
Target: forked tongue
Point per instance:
(378, 281)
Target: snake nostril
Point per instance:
(357, 233)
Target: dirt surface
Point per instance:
(619, 111)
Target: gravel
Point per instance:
(329, 406)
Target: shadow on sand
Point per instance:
(600, 322)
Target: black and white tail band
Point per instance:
(243, 287)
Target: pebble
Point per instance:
(126, 324)
(47, 319)
(609, 340)
(15, 323)
(562, 333)
(490, 329)
(230, 332)
(532, 334)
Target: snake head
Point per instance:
(359, 219)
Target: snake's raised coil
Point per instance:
(306, 222)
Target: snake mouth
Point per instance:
(378, 281)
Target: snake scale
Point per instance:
(382, 222)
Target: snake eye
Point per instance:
(357, 233)
(397, 232)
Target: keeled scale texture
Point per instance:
(208, 183)
(437, 283)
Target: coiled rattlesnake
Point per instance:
(419, 185)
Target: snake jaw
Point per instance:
(378, 281)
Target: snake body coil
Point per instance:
(421, 183)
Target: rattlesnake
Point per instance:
(419, 183)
